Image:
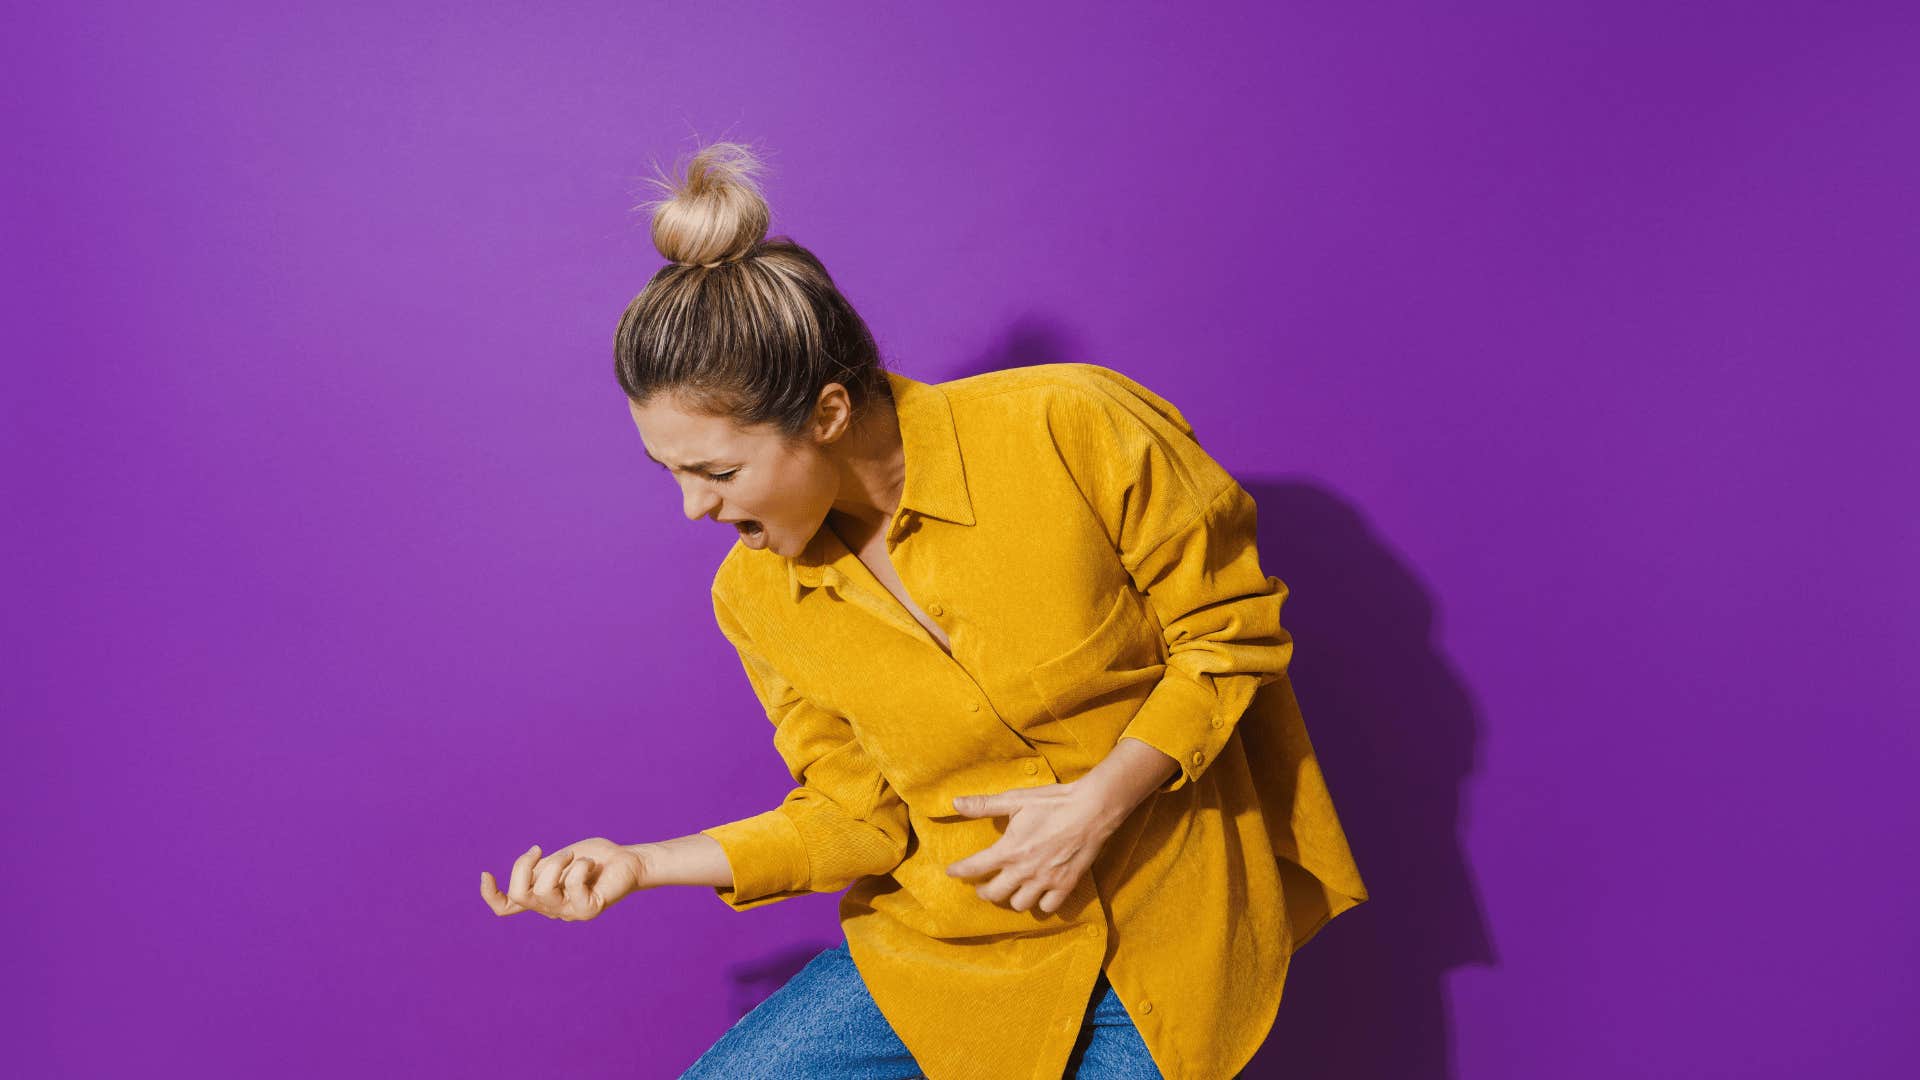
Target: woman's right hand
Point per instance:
(576, 883)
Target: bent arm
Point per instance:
(841, 822)
(1184, 529)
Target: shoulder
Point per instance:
(1064, 392)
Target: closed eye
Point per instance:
(722, 477)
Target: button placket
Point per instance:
(869, 593)
(889, 607)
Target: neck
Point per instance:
(873, 471)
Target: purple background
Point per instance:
(1566, 348)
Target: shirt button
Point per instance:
(1198, 757)
(936, 609)
(1216, 722)
(1092, 930)
(1032, 767)
(1146, 1006)
(973, 706)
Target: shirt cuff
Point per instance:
(767, 856)
(1180, 718)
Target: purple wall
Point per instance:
(1567, 350)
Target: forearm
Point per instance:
(685, 860)
(1129, 772)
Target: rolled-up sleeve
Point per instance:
(1184, 528)
(842, 821)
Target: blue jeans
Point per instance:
(823, 1024)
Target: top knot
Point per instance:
(713, 213)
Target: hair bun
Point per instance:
(713, 212)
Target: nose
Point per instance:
(697, 501)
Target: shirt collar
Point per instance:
(936, 480)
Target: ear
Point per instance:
(832, 413)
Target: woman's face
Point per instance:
(775, 494)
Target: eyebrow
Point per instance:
(698, 466)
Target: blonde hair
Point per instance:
(737, 323)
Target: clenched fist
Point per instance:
(576, 883)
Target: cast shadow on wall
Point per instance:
(753, 982)
(1395, 730)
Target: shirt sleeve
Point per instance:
(841, 823)
(1184, 529)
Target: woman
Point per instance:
(1022, 665)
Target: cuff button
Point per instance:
(1198, 757)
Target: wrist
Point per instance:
(642, 857)
(1129, 773)
(1109, 802)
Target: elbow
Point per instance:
(863, 849)
(842, 848)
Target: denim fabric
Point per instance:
(823, 1024)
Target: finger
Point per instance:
(1026, 894)
(520, 882)
(992, 805)
(579, 896)
(979, 863)
(1051, 902)
(1001, 887)
(546, 882)
(490, 892)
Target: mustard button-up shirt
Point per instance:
(1095, 573)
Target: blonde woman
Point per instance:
(1022, 664)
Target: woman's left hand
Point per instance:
(1053, 834)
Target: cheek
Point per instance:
(798, 493)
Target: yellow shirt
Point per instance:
(1095, 573)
